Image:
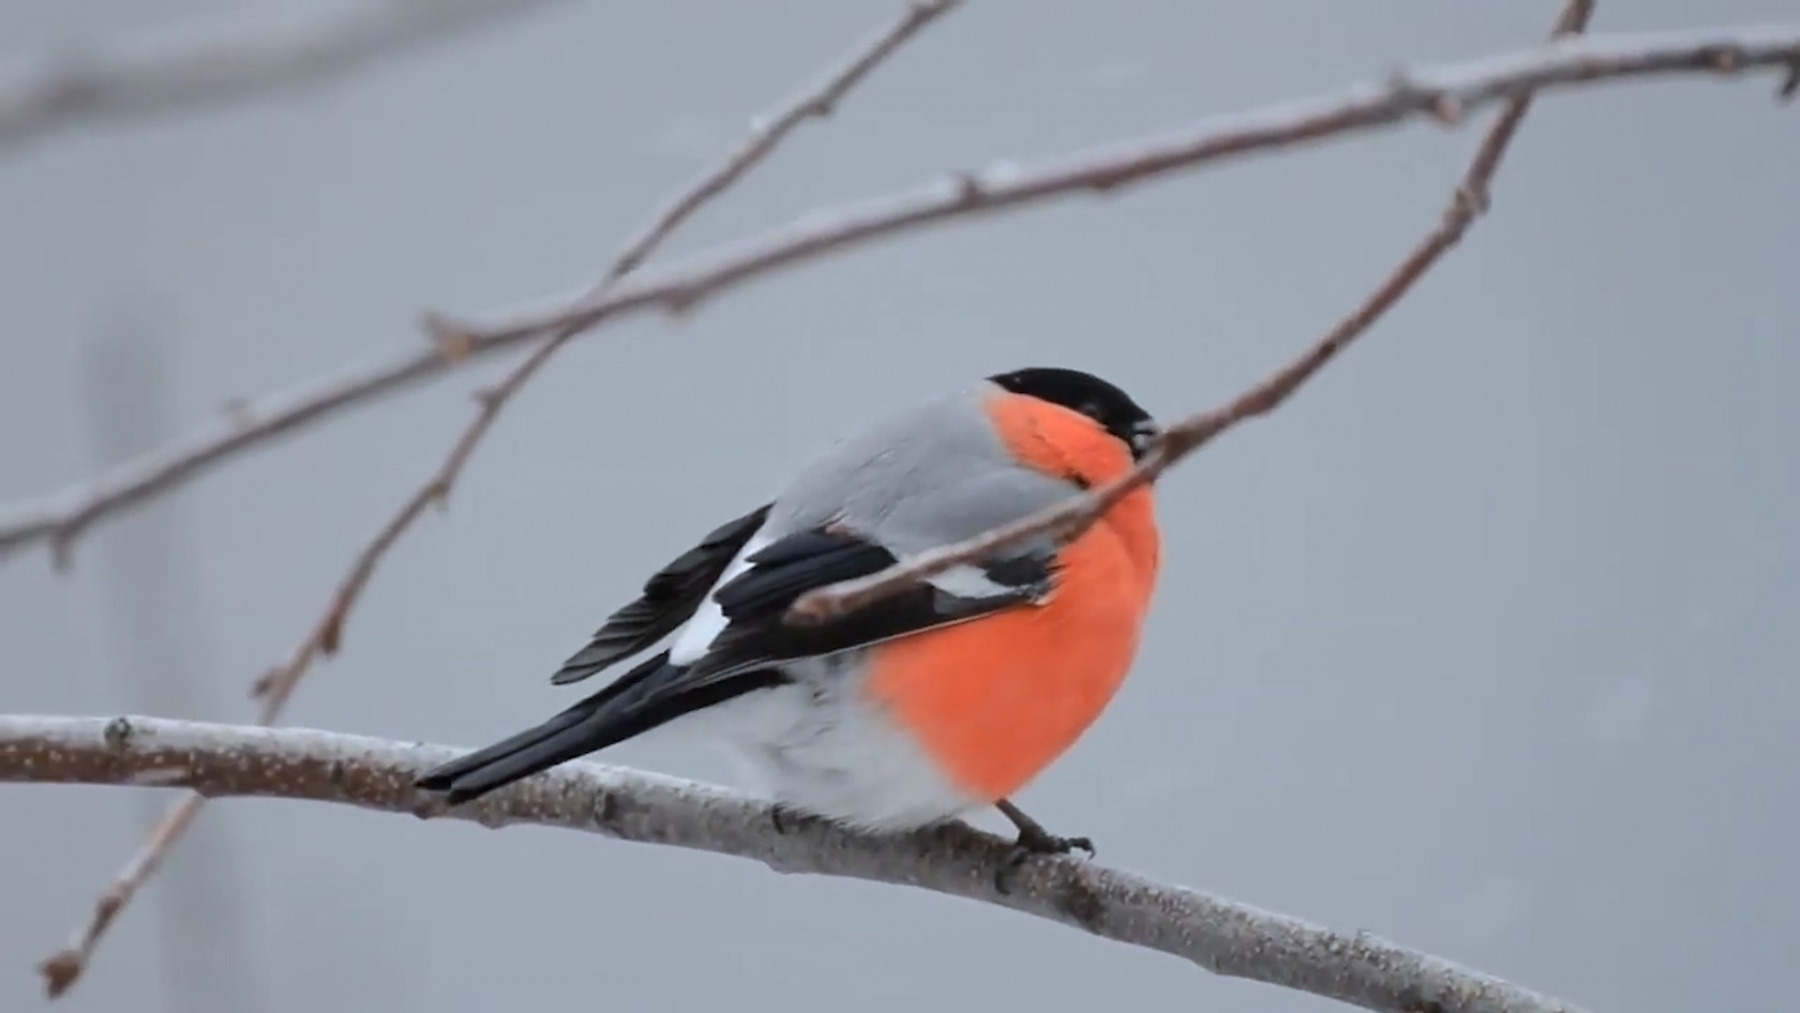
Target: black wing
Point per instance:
(670, 598)
(755, 602)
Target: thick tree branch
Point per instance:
(1467, 202)
(1446, 94)
(277, 686)
(1219, 935)
(245, 64)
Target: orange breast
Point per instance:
(995, 701)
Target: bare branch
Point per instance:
(168, 78)
(1446, 94)
(277, 686)
(1068, 519)
(1217, 934)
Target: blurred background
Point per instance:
(1485, 643)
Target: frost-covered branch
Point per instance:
(1219, 935)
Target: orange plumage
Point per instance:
(996, 701)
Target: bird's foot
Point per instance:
(1029, 844)
(785, 817)
(1033, 840)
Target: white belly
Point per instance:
(817, 745)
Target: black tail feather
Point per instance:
(441, 778)
(633, 704)
(547, 750)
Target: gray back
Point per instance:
(934, 473)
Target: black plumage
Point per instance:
(1086, 393)
(670, 598)
(756, 601)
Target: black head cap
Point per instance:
(1086, 393)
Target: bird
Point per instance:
(943, 699)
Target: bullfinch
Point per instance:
(942, 699)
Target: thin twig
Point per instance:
(277, 686)
(1068, 519)
(1218, 935)
(1446, 94)
(244, 64)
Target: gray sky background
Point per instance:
(1485, 644)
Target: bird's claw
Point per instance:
(783, 816)
(1030, 843)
